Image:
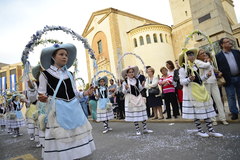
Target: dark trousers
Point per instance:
(171, 98)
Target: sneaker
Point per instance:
(38, 145)
(215, 123)
(105, 131)
(138, 133)
(225, 123)
(20, 134)
(202, 134)
(14, 136)
(110, 129)
(147, 131)
(11, 133)
(31, 138)
(215, 134)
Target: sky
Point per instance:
(19, 19)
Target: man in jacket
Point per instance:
(228, 61)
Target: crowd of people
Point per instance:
(57, 113)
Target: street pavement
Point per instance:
(169, 141)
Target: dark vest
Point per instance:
(65, 91)
(104, 94)
(16, 107)
(135, 89)
(196, 74)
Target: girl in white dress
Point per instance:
(68, 132)
(104, 109)
(135, 107)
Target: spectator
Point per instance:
(169, 92)
(120, 101)
(178, 87)
(228, 61)
(205, 65)
(93, 105)
(170, 66)
(112, 89)
(154, 99)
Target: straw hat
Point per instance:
(46, 55)
(135, 68)
(36, 71)
(181, 56)
(103, 78)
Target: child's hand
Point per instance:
(209, 74)
(191, 78)
(42, 98)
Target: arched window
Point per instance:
(141, 40)
(135, 42)
(161, 38)
(155, 38)
(99, 43)
(148, 39)
(166, 38)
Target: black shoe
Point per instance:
(234, 116)
(175, 116)
(168, 117)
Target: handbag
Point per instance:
(221, 81)
(154, 91)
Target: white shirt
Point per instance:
(149, 85)
(131, 81)
(56, 72)
(32, 93)
(205, 67)
(232, 63)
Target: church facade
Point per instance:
(112, 32)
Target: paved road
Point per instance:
(169, 141)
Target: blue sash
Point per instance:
(102, 103)
(19, 114)
(69, 114)
(83, 102)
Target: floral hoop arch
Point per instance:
(27, 67)
(125, 54)
(36, 37)
(80, 79)
(103, 71)
(205, 37)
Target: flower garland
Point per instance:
(36, 37)
(103, 71)
(29, 47)
(75, 72)
(27, 66)
(83, 82)
(125, 54)
(205, 37)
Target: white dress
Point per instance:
(103, 113)
(32, 97)
(201, 110)
(2, 116)
(133, 114)
(19, 121)
(62, 144)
